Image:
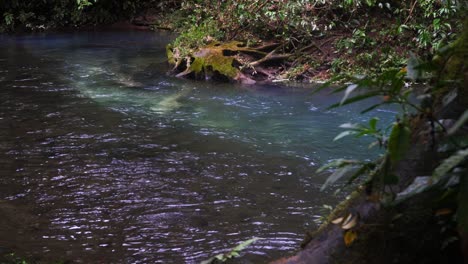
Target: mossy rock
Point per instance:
(227, 60)
(170, 55)
(214, 58)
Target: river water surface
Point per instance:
(106, 159)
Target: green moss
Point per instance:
(170, 55)
(225, 67)
(215, 58)
(212, 58)
(197, 65)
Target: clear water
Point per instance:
(104, 158)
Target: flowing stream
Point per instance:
(106, 159)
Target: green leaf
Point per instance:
(344, 134)
(398, 141)
(364, 169)
(231, 254)
(460, 122)
(448, 164)
(448, 98)
(350, 126)
(244, 244)
(365, 132)
(348, 91)
(336, 175)
(211, 260)
(419, 184)
(373, 123)
(337, 163)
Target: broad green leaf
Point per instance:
(448, 98)
(344, 134)
(460, 122)
(448, 164)
(396, 85)
(364, 169)
(349, 126)
(244, 244)
(231, 254)
(398, 141)
(211, 260)
(365, 132)
(419, 184)
(336, 175)
(337, 163)
(373, 123)
(348, 91)
(366, 83)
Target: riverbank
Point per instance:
(288, 40)
(399, 215)
(303, 42)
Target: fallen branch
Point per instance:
(269, 57)
(313, 44)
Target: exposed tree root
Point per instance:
(229, 61)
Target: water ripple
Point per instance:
(103, 158)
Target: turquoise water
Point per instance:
(106, 158)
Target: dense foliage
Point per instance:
(299, 20)
(435, 123)
(366, 36)
(40, 15)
